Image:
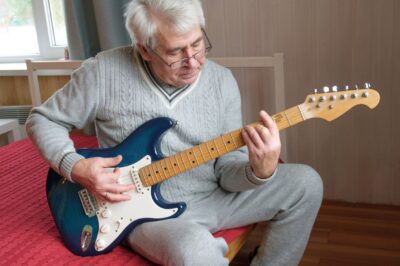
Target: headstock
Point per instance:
(331, 104)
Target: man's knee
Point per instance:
(311, 184)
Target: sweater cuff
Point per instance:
(255, 179)
(67, 163)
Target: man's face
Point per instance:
(173, 47)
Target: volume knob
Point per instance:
(105, 228)
(100, 244)
(106, 213)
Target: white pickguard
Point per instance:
(115, 217)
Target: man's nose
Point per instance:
(191, 60)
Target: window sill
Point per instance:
(13, 69)
(19, 69)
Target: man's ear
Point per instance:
(143, 52)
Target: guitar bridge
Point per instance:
(89, 202)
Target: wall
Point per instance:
(327, 42)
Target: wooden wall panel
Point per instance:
(325, 42)
(15, 90)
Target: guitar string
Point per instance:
(294, 114)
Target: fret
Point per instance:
(192, 154)
(201, 152)
(195, 156)
(156, 171)
(147, 174)
(153, 175)
(301, 112)
(172, 166)
(231, 142)
(280, 120)
(179, 167)
(233, 139)
(160, 166)
(287, 118)
(208, 149)
(195, 161)
(183, 161)
(165, 167)
(216, 146)
(190, 161)
(223, 141)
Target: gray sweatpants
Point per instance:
(290, 201)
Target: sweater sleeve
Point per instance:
(233, 169)
(73, 106)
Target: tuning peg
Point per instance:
(346, 87)
(335, 88)
(325, 89)
(367, 85)
(356, 86)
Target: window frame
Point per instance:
(46, 51)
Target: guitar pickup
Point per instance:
(89, 202)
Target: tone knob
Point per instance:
(100, 244)
(105, 228)
(106, 213)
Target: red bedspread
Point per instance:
(28, 234)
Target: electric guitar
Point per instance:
(90, 226)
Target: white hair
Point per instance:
(142, 17)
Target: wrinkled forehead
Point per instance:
(168, 38)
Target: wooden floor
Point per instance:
(345, 234)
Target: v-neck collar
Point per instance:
(170, 99)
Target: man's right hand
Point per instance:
(94, 175)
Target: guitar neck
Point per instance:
(199, 154)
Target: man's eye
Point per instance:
(197, 44)
(173, 54)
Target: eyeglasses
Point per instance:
(198, 55)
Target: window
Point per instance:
(31, 29)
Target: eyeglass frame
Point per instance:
(185, 59)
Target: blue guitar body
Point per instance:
(90, 226)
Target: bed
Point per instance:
(28, 233)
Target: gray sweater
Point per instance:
(114, 91)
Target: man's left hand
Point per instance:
(264, 146)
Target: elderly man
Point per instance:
(166, 73)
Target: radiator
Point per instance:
(19, 112)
